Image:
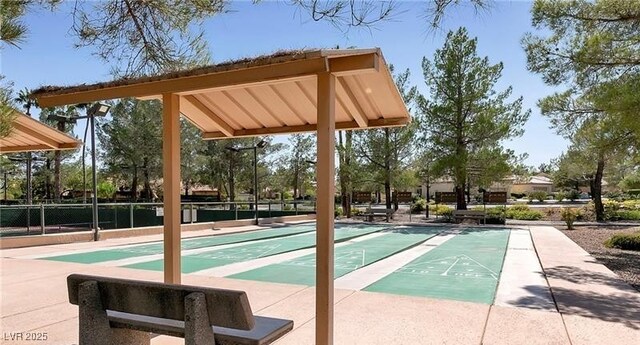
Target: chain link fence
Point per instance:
(20, 220)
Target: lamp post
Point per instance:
(97, 109)
(260, 144)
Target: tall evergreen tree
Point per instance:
(131, 143)
(388, 151)
(465, 115)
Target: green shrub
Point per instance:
(495, 215)
(337, 212)
(539, 195)
(569, 215)
(631, 204)
(519, 207)
(244, 207)
(419, 205)
(523, 215)
(573, 195)
(355, 211)
(287, 196)
(440, 209)
(287, 207)
(446, 213)
(560, 196)
(628, 215)
(624, 241)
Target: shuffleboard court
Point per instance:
(193, 243)
(465, 268)
(347, 258)
(250, 251)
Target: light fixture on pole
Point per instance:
(260, 144)
(95, 110)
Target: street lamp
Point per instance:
(260, 144)
(100, 110)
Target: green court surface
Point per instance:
(348, 258)
(250, 251)
(465, 268)
(192, 243)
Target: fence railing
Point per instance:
(19, 220)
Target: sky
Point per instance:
(48, 56)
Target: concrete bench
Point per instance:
(459, 215)
(127, 312)
(370, 213)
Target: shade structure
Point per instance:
(265, 95)
(286, 92)
(28, 134)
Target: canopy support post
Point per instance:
(171, 186)
(325, 203)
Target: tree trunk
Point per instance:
(147, 183)
(596, 190)
(461, 202)
(47, 180)
(347, 161)
(296, 172)
(134, 185)
(387, 169)
(343, 172)
(57, 183)
(56, 169)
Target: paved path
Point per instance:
(594, 306)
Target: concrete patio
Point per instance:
(589, 304)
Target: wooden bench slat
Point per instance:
(228, 308)
(266, 329)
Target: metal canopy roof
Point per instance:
(275, 94)
(28, 134)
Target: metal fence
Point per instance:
(20, 220)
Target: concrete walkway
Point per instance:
(594, 306)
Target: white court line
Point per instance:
(126, 246)
(365, 276)
(522, 282)
(239, 267)
(139, 259)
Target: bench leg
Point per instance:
(94, 324)
(197, 328)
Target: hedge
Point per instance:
(624, 241)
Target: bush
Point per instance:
(440, 209)
(624, 241)
(419, 205)
(337, 212)
(539, 195)
(287, 207)
(628, 215)
(569, 215)
(287, 196)
(355, 211)
(560, 196)
(446, 213)
(523, 214)
(495, 215)
(573, 195)
(519, 207)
